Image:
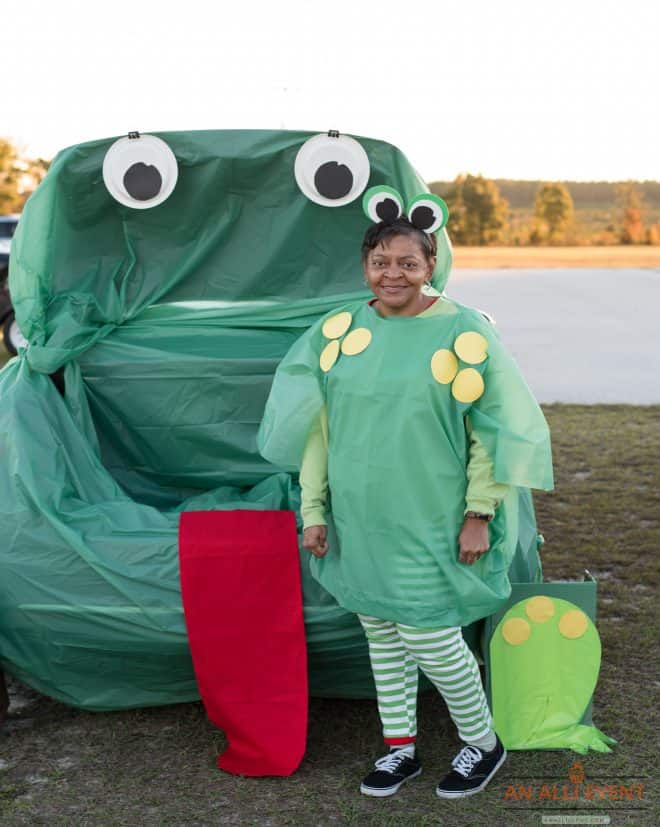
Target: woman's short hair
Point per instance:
(383, 231)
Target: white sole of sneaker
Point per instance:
(380, 793)
(445, 794)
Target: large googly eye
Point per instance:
(428, 212)
(332, 170)
(382, 204)
(140, 171)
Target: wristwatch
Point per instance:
(485, 517)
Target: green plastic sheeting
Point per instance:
(164, 328)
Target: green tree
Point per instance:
(9, 175)
(631, 202)
(19, 176)
(553, 209)
(477, 211)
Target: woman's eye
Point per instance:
(332, 170)
(140, 171)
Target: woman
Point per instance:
(417, 429)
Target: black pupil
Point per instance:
(333, 180)
(422, 217)
(142, 182)
(387, 210)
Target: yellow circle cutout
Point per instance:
(471, 347)
(444, 366)
(337, 325)
(516, 630)
(468, 385)
(573, 624)
(329, 355)
(540, 609)
(356, 341)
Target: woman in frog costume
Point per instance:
(412, 425)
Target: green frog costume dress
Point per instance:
(397, 392)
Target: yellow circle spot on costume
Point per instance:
(540, 609)
(444, 366)
(337, 325)
(516, 631)
(356, 341)
(573, 624)
(468, 385)
(329, 355)
(471, 347)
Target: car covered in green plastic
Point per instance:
(159, 280)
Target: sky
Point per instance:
(524, 89)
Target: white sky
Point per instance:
(568, 89)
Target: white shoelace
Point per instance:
(391, 761)
(466, 759)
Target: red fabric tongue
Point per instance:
(242, 599)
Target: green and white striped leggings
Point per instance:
(397, 651)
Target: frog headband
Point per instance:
(427, 212)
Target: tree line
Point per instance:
(545, 212)
(19, 176)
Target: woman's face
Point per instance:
(396, 271)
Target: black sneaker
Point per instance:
(392, 770)
(472, 770)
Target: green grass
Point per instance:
(157, 766)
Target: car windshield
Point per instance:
(7, 228)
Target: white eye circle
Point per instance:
(140, 172)
(382, 203)
(332, 171)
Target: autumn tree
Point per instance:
(553, 209)
(19, 176)
(477, 211)
(631, 202)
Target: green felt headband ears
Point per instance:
(427, 212)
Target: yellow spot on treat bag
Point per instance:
(516, 631)
(540, 609)
(573, 624)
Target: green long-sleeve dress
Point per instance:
(397, 391)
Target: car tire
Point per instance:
(11, 332)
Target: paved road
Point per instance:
(579, 335)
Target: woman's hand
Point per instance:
(315, 539)
(473, 541)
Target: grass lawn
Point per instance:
(62, 767)
(621, 256)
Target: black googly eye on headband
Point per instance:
(428, 212)
(382, 203)
(140, 171)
